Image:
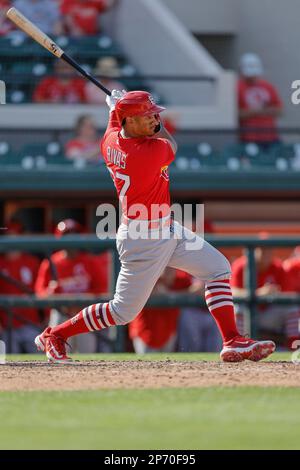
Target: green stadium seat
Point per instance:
(18, 96)
(17, 45)
(28, 69)
(44, 155)
(93, 47)
(46, 150)
(194, 157)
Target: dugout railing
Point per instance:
(47, 245)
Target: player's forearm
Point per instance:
(164, 134)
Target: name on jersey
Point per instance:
(116, 157)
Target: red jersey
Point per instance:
(77, 148)
(53, 90)
(23, 268)
(80, 275)
(84, 14)
(274, 274)
(258, 95)
(139, 168)
(155, 325)
(292, 269)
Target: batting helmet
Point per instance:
(136, 103)
(67, 226)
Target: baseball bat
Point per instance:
(32, 30)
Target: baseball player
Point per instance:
(137, 150)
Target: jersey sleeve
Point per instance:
(275, 98)
(43, 278)
(112, 126)
(162, 152)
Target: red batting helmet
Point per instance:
(136, 103)
(67, 226)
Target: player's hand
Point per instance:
(113, 98)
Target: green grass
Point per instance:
(210, 418)
(213, 418)
(281, 356)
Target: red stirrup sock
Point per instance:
(219, 301)
(92, 318)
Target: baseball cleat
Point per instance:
(54, 347)
(240, 348)
(40, 340)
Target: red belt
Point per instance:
(149, 224)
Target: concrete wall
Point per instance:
(207, 16)
(158, 43)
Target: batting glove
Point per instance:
(113, 98)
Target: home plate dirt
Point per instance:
(95, 375)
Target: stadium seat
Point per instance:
(17, 96)
(93, 47)
(5, 148)
(15, 46)
(29, 69)
(47, 150)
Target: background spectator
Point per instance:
(155, 329)
(73, 272)
(62, 87)
(197, 331)
(82, 17)
(18, 273)
(292, 269)
(259, 103)
(106, 68)
(43, 13)
(5, 25)
(271, 279)
(85, 145)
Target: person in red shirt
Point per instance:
(137, 150)
(84, 148)
(81, 17)
(271, 279)
(155, 329)
(72, 272)
(26, 322)
(292, 269)
(6, 26)
(62, 87)
(258, 102)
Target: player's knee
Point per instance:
(223, 269)
(123, 316)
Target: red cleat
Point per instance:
(240, 348)
(54, 346)
(40, 340)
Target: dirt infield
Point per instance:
(144, 374)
